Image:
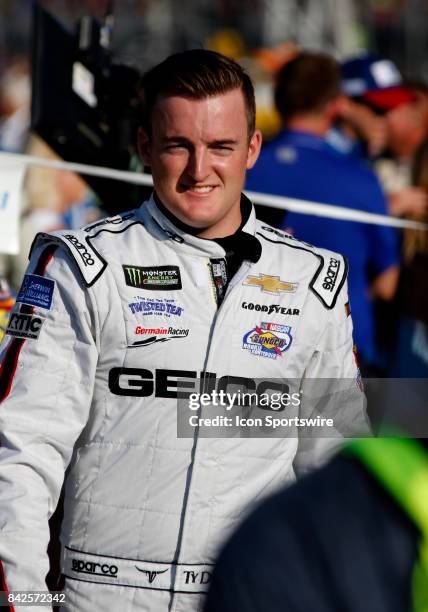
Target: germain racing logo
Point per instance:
(157, 334)
(157, 307)
(268, 340)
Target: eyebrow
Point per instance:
(183, 139)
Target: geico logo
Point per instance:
(90, 567)
(330, 278)
(24, 322)
(164, 383)
(82, 250)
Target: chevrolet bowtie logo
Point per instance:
(151, 574)
(270, 284)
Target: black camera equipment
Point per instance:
(84, 105)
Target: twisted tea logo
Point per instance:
(161, 278)
(151, 574)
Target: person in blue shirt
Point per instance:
(300, 164)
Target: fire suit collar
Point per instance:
(161, 225)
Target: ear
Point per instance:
(337, 107)
(254, 148)
(144, 147)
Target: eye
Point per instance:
(222, 148)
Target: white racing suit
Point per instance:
(108, 318)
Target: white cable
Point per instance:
(299, 206)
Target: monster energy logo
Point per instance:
(163, 278)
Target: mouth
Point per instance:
(199, 189)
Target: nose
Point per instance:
(198, 165)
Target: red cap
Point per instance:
(387, 99)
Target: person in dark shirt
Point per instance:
(300, 164)
(336, 540)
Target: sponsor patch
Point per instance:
(94, 568)
(160, 278)
(81, 250)
(151, 574)
(24, 325)
(268, 340)
(157, 334)
(155, 307)
(330, 278)
(272, 308)
(270, 284)
(36, 291)
(219, 276)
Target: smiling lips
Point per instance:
(202, 189)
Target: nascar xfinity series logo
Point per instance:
(268, 340)
(158, 307)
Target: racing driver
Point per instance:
(190, 286)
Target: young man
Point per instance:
(109, 318)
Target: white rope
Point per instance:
(334, 212)
(299, 206)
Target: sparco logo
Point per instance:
(81, 249)
(331, 276)
(276, 308)
(151, 574)
(96, 569)
(24, 325)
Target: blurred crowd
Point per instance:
(341, 126)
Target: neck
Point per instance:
(242, 217)
(313, 124)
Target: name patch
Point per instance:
(159, 278)
(36, 291)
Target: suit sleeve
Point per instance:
(46, 382)
(331, 389)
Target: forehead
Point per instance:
(218, 117)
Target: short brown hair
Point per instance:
(306, 84)
(196, 74)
